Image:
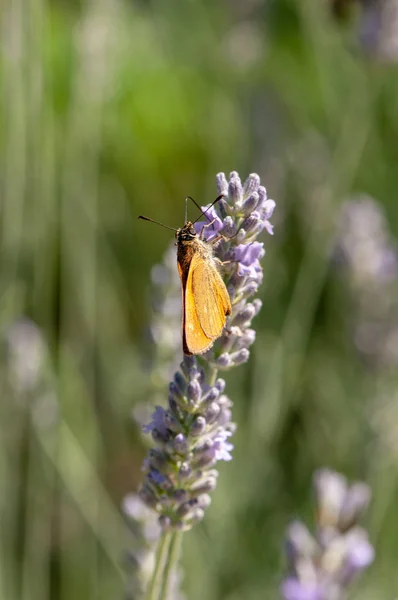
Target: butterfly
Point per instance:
(205, 299)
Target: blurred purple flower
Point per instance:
(367, 255)
(322, 566)
(293, 589)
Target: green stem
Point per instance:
(213, 375)
(162, 554)
(174, 555)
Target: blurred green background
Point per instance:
(110, 109)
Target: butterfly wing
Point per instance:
(205, 307)
(194, 340)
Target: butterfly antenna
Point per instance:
(203, 212)
(156, 222)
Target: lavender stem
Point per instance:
(172, 562)
(213, 372)
(162, 554)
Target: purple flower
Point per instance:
(192, 433)
(212, 228)
(293, 589)
(221, 448)
(321, 567)
(239, 217)
(158, 422)
(248, 254)
(367, 255)
(191, 436)
(359, 553)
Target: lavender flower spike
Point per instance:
(322, 567)
(240, 217)
(193, 433)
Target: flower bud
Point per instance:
(221, 183)
(251, 184)
(240, 357)
(198, 426)
(250, 204)
(194, 391)
(235, 190)
(223, 361)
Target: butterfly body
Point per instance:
(205, 299)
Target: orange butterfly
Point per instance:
(205, 299)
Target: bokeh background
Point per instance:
(110, 109)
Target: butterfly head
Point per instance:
(186, 233)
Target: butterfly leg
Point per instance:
(222, 262)
(204, 227)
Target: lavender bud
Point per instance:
(198, 426)
(257, 306)
(204, 500)
(185, 470)
(262, 194)
(205, 486)
(229, 227)
(245, 315)
(331, 489)
(235, 190)
(359, 554)
(221, 184)
(240, 357)
(174, 409)
(202, 377)
(299, 542)
(247, 338)
(194, 391)
(220, 385)
(195, 517)
(212, 413)
(250, 204)
(186, 405)
(250, 224)
(211, 395)
(175, 392)
(180, 444)
(355, 503)
(251, 184)
(180, 383)
(223, 361)
(186, 508)
(204, 457)
(189, 367)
